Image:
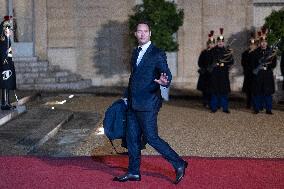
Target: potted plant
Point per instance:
(164, 18)
(275, 23)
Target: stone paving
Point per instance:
(46, 130)
(193, 131)
(183, 122)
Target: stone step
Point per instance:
(34, 74)
(31, 70)
(23, 67)
(69, 78)
(22, 64)
(37, 78)
(81, 84)
(69, 137)
(54, 68)
(58, 79)
(37, 75)
(25, 59)
(19, 136)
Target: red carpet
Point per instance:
(87, 172)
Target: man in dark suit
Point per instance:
(149, 71)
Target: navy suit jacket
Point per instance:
(143, 92)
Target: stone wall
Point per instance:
(90, 38)
(201, 17)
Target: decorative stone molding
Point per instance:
(268, 1)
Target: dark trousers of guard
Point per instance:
(146, 122)
(217, 101)
(206, 98)
(262, 101)
(5, 100)
(248, 99)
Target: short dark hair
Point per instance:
(143, 22)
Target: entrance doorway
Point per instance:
(23, 27)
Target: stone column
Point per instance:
(40, 29)
(189, 39)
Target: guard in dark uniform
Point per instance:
(222, 60)
(8, 75)
(204, 75)
(246, 62)
(264, 61)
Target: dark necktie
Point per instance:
(135, 57)
(138, 51)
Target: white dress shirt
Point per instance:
(142, 52)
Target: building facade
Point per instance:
(90, 37)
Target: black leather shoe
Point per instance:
(127, 177)
(256, 112)
(226, 111)
(180, 172)
(268, 112)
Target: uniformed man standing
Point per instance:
(264, 61)
(246, 62)
(222, 60)
(8, 75)
(204, 75)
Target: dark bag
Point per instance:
(114, 122)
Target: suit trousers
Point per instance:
(145, 122)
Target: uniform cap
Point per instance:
(221, 37)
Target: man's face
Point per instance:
(263, 44)
(143, 34)
(220, 43)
